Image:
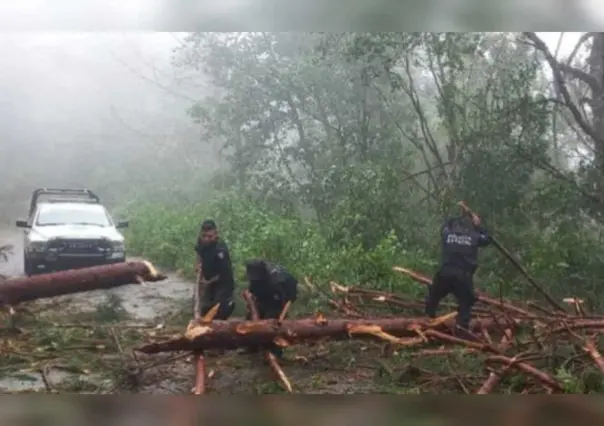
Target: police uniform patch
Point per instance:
(220, 255)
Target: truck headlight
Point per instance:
(118, 246)
(37, 246)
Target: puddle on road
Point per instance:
(31, 381)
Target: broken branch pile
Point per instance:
(538, 343)
(526, 348)
(508, 340)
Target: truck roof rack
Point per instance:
(71, 200)
(70, 196)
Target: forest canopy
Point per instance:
(373, 137)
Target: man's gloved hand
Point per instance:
(465, 208)
(475, 219)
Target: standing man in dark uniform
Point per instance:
(216, 282)
(272, 287)
(461, 238)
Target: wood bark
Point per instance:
(23, 289)
(236, 334)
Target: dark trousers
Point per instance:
(458, 282)
(268, 311)
(217, 293)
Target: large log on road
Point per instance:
(236, 334)
(22, 289)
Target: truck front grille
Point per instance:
(78, 246)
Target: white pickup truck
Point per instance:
(71, 230)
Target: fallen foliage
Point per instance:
(513, 347)
(543, 348)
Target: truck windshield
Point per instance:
(73, 215)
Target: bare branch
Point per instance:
(578, 45)
(581, 75)
(561, 86)
(588, 79)
(150, 80)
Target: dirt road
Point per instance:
(142, 303)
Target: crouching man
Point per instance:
(273, 288)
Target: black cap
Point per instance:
(208, 225)
(256, 269)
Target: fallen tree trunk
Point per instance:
(237, 334)
(23, 289)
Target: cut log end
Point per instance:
(196, 330)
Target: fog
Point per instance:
(109, 111)
(100, 110)
(252, 15)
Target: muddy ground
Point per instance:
(336, 368)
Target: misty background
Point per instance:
(122, 113)
(108, 111)
(100, 110)
(271, 15)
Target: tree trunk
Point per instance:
(236, 334)
(23, 289)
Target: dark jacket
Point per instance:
(216, 260)
(460, 242)
(277, 287)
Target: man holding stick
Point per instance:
(214, 272)
(461, 238)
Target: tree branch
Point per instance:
(561, 85)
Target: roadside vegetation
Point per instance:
(352, 149)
